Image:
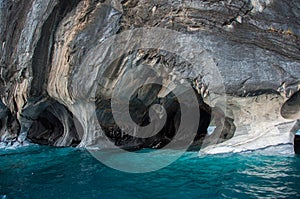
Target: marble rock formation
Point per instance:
(58, 74)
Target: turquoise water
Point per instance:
(44, 172)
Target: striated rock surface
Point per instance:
(58, 74)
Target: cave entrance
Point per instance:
(46, 129)
(291, 110)
(297, 142)
(55, 126)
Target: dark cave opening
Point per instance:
(151, 94)
(139, 112)
(297, 144)
(291, 110)
(55, 126)
(296, 130)
(46, 129)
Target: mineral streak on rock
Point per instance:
(43, 83)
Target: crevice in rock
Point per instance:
(243, 11)
(41, 62)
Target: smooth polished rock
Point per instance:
(56, 54)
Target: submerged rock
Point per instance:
(58, 73)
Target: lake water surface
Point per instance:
(45, 172)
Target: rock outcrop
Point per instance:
(59, 72)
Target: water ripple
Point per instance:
(44, 172)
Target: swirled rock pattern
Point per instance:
(44, 84)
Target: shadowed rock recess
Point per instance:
(45, 83)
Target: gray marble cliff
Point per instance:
(45, 79)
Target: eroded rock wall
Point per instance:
(49, 88)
